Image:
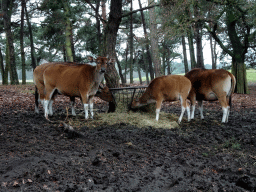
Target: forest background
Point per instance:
(144, 37)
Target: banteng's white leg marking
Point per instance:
(201, 108)
(46, 111)
(50, 107)
(73, 108)
(46, 105)
(225, 114)
(188, 112)
(157, 114)
(86, 106)
(42, 102)
(193, 112)
(91, 109)
(182, 109)
(182, 113)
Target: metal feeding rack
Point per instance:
(125, 95)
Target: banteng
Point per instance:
(166, 88)
(102, 93)
(211, 85)
(73, 81)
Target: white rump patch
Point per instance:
(227, 85)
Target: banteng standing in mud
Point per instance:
(74, 81)
(166, 88)
(103, 92)
(211, 85)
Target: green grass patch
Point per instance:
(251, 75)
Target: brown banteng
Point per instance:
(103, 92)
(211, 85)
(74, 81)
(166, 88)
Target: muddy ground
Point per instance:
(36, 155)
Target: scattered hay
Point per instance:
(166, 120)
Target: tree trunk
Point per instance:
(164, 57)
(191, 49)
(198, 37)
(199, 46)
(185, 60)
(23, 3)
(33, 58)
(68, 32)
(120, 71)
(151, 71)
(99, 35)
(64, 54)
(4, 70)
(138, 67)
(131, 47)
(7, 8)
(109, 41)
(239, 70)
(104, 13)
(154, 39)
(7, 65)
(238, 56)
(126, 61)
(212, 53)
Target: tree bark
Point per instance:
(7, 9)
(4, 70)
(168, 62)
(120, 70)
(23, 3)
(185, 60)
(212, 53)
(109, 41)
(33, 58)
(154, 39)
(198, 37)
(199, 47)
(68, 32)
(191, 49)
(150, 65)
(238, 56)
(131, 46)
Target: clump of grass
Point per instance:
(232, 143)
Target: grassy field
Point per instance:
(251, 75)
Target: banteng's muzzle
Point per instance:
(103, 70)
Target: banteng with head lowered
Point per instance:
(74, 81)
(211, 85)
(103, 92)
(166, 88)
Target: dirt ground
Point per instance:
(201, 155)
